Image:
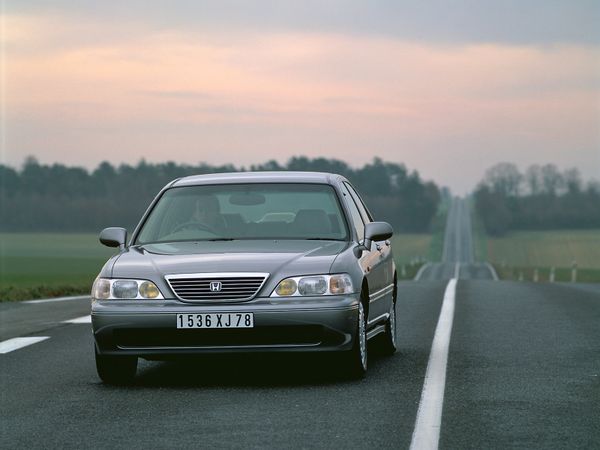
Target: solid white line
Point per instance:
(82, 319)
(16, 343)
(421, 270)
(457, 271)
(426, 435)
(492, 271)
(57, 299)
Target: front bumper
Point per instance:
(147, 328)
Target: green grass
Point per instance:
(479, 235)
(436, 247)
(411, 247)
(519, 254)
(557, 248)
(38, 265)
(412, 250)
(34, 265)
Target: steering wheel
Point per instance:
(200, 226)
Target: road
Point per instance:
(522, 371)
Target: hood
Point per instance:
(276, 257)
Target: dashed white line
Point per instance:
(492, 271)
(13, 344)
(426, 435)
(82, 319)
(421, 270)
(57, 299)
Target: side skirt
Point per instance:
(375, 331)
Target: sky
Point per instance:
(448, 88)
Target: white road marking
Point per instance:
(426, 435)
(492, 271)
(421, 270)
(13, 344)
(457, 247)
(57, 299)
(82, 319)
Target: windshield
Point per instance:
(245, 211)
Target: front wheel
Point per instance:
(116, 369)
(357, 358)
(388, 340)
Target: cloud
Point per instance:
(224, 97)
(435, 21)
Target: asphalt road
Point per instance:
(523, 371)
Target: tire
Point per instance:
(117, 370)
(388, 339)
(355, 360)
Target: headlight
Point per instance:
(314, 285)
(109, 289)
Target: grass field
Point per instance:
(38, 265)
(47, 264)
(412, 250)
(411, 247)
(531, 255)
(546, 249)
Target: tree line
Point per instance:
(541, 198)
(56, 197)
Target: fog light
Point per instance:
(149, 290)
(286, 288)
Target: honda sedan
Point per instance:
(265, 261)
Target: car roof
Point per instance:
(258, 177)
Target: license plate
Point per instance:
(216, 320)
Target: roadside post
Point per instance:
(552, 274)
(574, 272)
(536, 276)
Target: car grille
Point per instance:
(231, 286)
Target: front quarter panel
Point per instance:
(107, 268)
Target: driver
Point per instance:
(207, 212)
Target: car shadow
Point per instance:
(250, 370)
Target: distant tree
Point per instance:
(60, 198)
(9, 180)
(504, 179)
(493, 209)
(552, 180)
(572, 180)
(553, 200)
(533, 179)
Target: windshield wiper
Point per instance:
(220, 239)
(322, 239)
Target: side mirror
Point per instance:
(377, 231)
(114, 237)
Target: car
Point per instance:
(204, 272)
